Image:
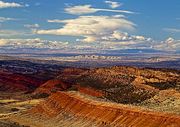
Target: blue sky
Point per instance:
(130, 24)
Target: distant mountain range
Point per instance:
(51, 51)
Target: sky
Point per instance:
(89, 25)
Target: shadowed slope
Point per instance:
(18, 82)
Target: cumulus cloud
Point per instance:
(95, 29)
(113, 4)
(3, 19)
(92, 28)
(115, 41)
(117, 36)
(9, 5)
(169, 44)
(86, 9)
(32, 43)
(121, 40)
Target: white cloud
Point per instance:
(174, 30)
(116, 41)
(32, 43)
(119, 16)
(3, 42)
(170, 45)
(3, 19)
(113, 4)
(86, 9)
(9, 5)
(121, 40)
(117, 36)
(92, 28)
(81, 9)
(10, 33)
(32, 26)
(95, 29)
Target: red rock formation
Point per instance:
(62, 82)
(52, 86)
(102, 113)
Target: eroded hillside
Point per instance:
(105, 97)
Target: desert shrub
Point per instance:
(128, 95)
(14, 109)
(163, 85)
